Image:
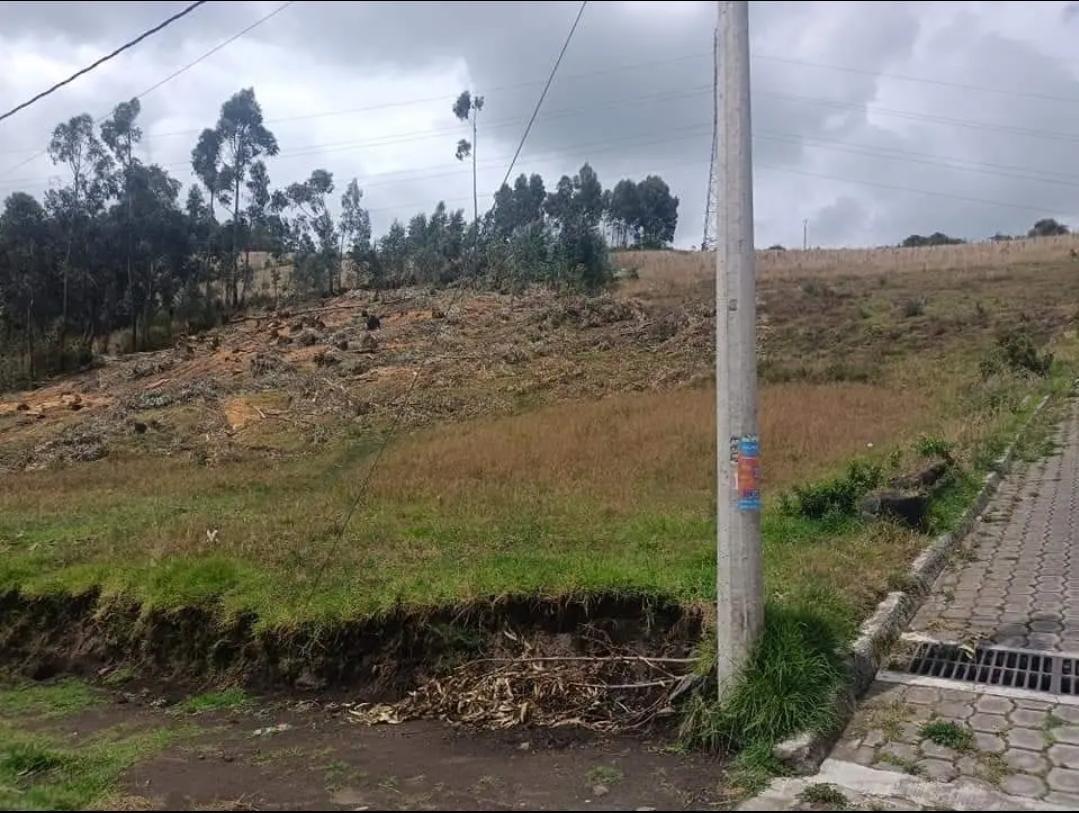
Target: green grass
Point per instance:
(222, 700)
(603, 775)
(788, 686)
(949, 735)
(41, 772)
(54, 699)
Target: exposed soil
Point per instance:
(283, 381)
(316, 758)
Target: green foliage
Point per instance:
(1020, 354)
(949, 735)
(37, 772)
(1047, 227)
(826, 795)
(836, 497)
(935, 239)
(933, 446)
(789, 686)
(222, 700)
(47, 699)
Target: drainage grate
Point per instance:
(1038, 671)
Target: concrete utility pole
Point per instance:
(739, 587)
(805, 234)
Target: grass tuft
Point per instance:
(824, 794)
(789, 686)
(949, 735)
(223, 700)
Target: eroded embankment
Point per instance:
(604, 662)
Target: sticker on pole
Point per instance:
(748, 474)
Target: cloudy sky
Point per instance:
(872, 120)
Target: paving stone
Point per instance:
(955, 711)
(1030, 703)
(938, 770)
(1029, 738)
(1064, 799)
(935, 751)
(992, 723)
(989, 743)
(1064, 780)
(873, 738)
(923, 695)
(1067, 733)
(1026, 761)
(994, 705)
(1021, 784)
(1064, 756)
(899, 750)
(1028, 718)
(967, 766)
(1067, 713)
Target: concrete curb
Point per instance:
(803, 753)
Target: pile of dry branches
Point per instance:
(612, 692)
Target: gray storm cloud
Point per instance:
(868, 154)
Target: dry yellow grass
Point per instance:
(620, 450)
(688, 267)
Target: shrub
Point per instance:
(1019, 353)
(913, 307)
(838, 496)
(931, 446)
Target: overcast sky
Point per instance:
(976, 103)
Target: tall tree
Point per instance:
(658, 214)
(244, 138)
(1047, 227)
(315, 228)
(120, 133)
(73, 143)
(354, 226)
(467, 107)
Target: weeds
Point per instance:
(224, 700)
(603, 775)
(949, 735)
(824, 794)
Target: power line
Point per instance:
(172, 75)
(965, 198)
(102, 60)
(920, 79)
(546, 87)
(1055, 135)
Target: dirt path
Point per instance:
(300, 756)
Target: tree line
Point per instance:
(117, 247)
(1046, 227)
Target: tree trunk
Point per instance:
(235, 239)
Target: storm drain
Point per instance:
(1038, 671)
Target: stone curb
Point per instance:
(803, 753)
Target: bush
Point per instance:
(836, 497)
(931, 446)
(1020, 354)
(913, 307)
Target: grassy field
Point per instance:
(572, 495)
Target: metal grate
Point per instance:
(1037, 671)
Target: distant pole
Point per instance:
(739, 587)
(805, 234)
